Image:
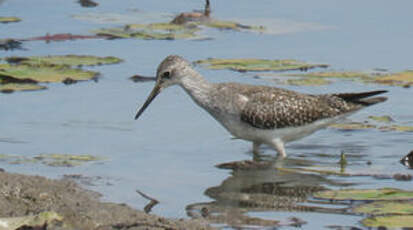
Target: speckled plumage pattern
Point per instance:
(261, 114)
(278, 108)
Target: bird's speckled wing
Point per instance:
(278, 108)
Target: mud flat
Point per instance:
(34, 202)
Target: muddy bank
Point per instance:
(72, 207)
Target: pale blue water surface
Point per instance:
(170, 153)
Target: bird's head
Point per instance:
(170, 72)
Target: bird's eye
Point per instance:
(166, 74)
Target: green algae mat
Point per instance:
(11, 87)
(303, 81)
(187, 29)
(389, 221)
(153, 31)
(382, 123)
(69, 60)
(230, 25)
(54, 159)
(42, 73)
(24, 73)
(403, 79)
(397, 79)
(9, 19)
(252, 64)
(365, 194)
(171, 31)
(387, 213)
(385, 207)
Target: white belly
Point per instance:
(245, 131)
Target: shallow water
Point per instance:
(170, 153)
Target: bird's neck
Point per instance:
(197, 87)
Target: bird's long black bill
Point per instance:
(156, 90)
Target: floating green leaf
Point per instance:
(365, 194)
(352, 126)
(42, 73)
(250, 64)
(13, 159)
(341, 75)
(154, 31)
(397, 128)
(366, 125)
(389, 221)
(65, 160)
(230, 25)
(70, 60)
(59, 156)
(292, 80)
(385, 208)
(383, 119)
(9, 19)
(398, 79)
(307, 82)
(395, 79)
(56, 160)
(11, 87)
(158, 26)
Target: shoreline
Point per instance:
(36, 202)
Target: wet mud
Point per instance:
(73, 207)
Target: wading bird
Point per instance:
(260, 114)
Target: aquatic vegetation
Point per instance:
(378, 121)
(352, 126)
(385, 208)
(58, 156)
(22, 73)
(56, 159)
(153, 31)
(307, 82)
(396, 79)
(9, 19)
(339, 75)
(42, 73)
(183, 26)
(383, 119)
(65, 160)
(365, 194)
(285, 79)
(389, 221)
(70, 60)
(11, 87)
(230, 25)
(170, 31)
(404, 79)
(251, 64)
(397, 128)
(61, 37)
(30, 221)
(158, 26)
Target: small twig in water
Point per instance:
(151, 204)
